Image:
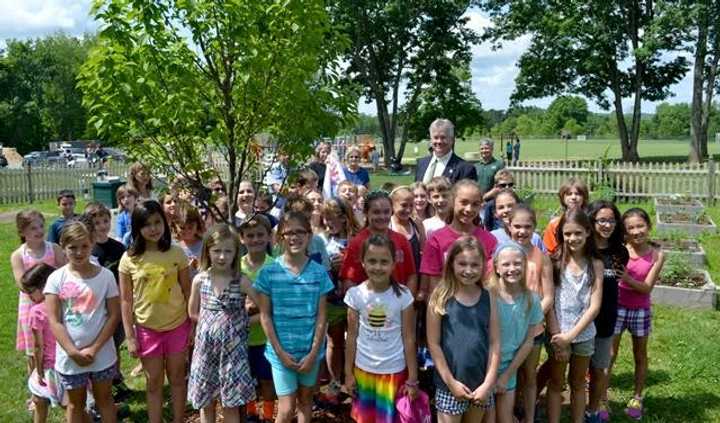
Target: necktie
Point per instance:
(430, 172)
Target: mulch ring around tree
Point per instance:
(331, 414)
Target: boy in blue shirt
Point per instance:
(66, 204)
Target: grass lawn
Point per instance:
(682, 383)
(554, 149)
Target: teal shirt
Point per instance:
(486, 173)
(514, 321)
(294, 300)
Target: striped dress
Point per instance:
(24, 340)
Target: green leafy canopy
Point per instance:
(177, 80)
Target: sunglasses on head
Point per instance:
(506, 185)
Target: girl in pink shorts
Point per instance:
(154, 288)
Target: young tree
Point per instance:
(176, 82)
(594, 48)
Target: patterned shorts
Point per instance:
(446, 403)
(636, 321)
(70, 382)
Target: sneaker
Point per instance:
(634, 409)
(604, 411)
(591, 417)
(94, 414)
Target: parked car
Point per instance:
(55, 158)
(34, 158)
(115, 153)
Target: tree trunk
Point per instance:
(395, 100)
(384, 122)
(631, 138)
(699, 133)
(709, 92)
(410, 110)
(628, 152)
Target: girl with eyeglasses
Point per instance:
(608, 234)
(292, 293)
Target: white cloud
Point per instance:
(493, 71)
(35, 18)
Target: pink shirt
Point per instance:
(39, 322)
(638, 268)
(436, 249)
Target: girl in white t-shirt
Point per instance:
(380, 355)
(83, 308)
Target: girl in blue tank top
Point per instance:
(463, 335)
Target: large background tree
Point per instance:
(396, 43)
(39, 99)
(177, 81)
(455, 101)
(704, 27)
(606, 51)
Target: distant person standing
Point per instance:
(443, 161)
(488, 166)
(322, 150)
(375, 158)
(516, 151)
(509, 151)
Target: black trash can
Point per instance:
(106, 192)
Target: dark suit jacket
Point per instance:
(455, 170)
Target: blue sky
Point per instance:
(493, 72)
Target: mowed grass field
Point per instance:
(554, 149)
(682, 383)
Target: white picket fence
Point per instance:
(18, 186)
(631, 181)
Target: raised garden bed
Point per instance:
(694, 291)
(684, 223)
(687, 249)
(678, 204)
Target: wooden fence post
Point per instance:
(29, 183)
(711, 181)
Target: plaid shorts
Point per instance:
(446, 403)
(636, 321)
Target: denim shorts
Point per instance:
(81, 380)
(583, 349)
(601, 356)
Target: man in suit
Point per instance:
(443, 161)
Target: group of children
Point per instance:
(360, 293)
